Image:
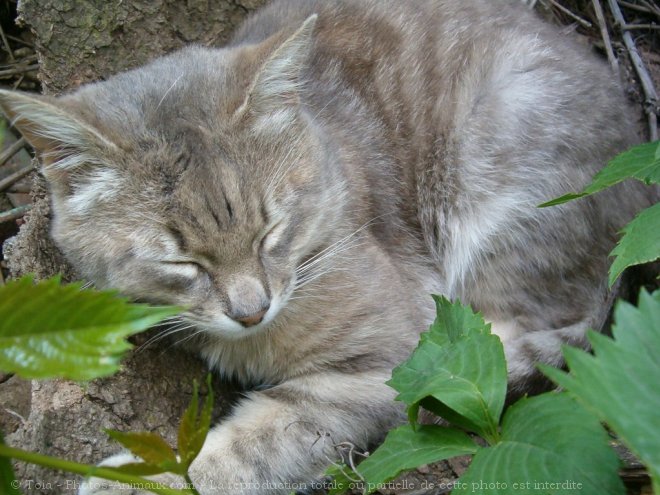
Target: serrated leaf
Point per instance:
(193, 428)
(459, 364)
(619, 382)
(550, 444)
(8, 482)
(456, 321)
(50, 330)
(640, 242)
(405, 448)
(641, 162)
(149, 447)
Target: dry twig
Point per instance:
(576, 17)
(14, 214)
(18, 70)
(6, 43)
(605, 35)
(19, 40)
(11, 151)
(634, 6)
(627, 27)
(651, 97)
(15, 177)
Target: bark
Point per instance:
(84, 40)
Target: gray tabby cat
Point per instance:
(306, 188)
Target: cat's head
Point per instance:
(197, 180)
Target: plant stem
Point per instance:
(87, 470)
(8, 483)
(191, 485)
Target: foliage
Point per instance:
(639, 243)
(549, 439)
(8, 484)
(157, 455)
(50, 330)
(641, 237)
(458, 371)
(619, 381)
(404, 448)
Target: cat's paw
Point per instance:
(99, 486)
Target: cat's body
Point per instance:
(306, 188)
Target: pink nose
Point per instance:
(253, 319)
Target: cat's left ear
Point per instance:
(279, 79)
(62, 141)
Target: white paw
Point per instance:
(99, 486)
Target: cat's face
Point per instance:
(210, 201)
(217, 227)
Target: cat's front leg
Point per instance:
(99, 486)
(279, 440)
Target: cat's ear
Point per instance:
(279, 79)
(62, 142)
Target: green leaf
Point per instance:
(619, 382)
(405, 448)
(549, 445)
(8, 483)
(455, 321)
(460, 365)
(138, 469)
(343, 479)
(641, 162)
(50, 330)
(640, 242)
(148, 446)
(193, 428)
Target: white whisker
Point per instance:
(182, 326)
(168, 90)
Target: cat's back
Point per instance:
(466, 115)
(427, 79)
(428, 67)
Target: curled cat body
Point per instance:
(304, 189)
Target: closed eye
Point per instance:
(273, 236)
(187, 268)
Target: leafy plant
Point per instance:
(50, 330)
(549, 440)
(640, 242)
(618, 382)
(158, 457)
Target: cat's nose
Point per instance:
(252, 319)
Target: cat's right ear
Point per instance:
(62, 142)
(278, 80)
